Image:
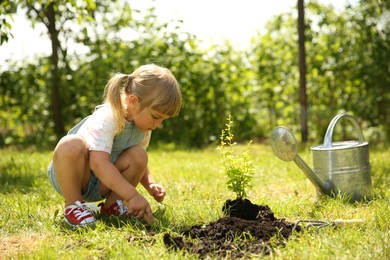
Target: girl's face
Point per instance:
(148, 119)
(145, 118)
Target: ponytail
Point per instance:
(155, 86)
(112, 94)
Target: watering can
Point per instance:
(339, 168)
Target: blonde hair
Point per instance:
(155, 86)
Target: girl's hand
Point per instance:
(139, 207)
(157, 191)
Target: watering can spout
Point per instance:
(323, 187)
(284, 146)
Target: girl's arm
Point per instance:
(109, 175)
(147, 179)
(155, 190)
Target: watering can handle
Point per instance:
(329, 131)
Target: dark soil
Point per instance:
(246, 229)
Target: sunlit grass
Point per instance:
(31, 211)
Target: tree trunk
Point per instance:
(55, 79)
(302, 70)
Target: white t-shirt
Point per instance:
(99, 130)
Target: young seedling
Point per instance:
(237, 166)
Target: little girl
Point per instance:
(104, 156)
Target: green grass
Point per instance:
(31, 212)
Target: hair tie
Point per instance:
(129, 83)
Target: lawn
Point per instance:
(31, 212)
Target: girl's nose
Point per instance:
(158, 123)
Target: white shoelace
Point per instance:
(82, 209)
(121, 207)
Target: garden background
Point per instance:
(348, 71)
(347, 56)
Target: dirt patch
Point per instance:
(10, 246)
(239, 233)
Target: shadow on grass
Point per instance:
(16, 177)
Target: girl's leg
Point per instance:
(131, 164)
(71, 164)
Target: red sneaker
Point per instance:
(80, 214)
(116, 209)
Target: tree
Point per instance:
(347, 71)
(58, 17)
(372, 25)
(274, 55)
(348, 55)
(302, 69)
(7, 9)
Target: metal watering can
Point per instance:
(339, 168)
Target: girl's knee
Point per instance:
(136, 156)
(140, 156)
(71, 146)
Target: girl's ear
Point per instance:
(132, 100)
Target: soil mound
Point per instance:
(234, 236)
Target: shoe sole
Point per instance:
(90, 225)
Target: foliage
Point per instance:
(25, 96)
(347, 67)
(275, 57)
(237, 167)
(348, 54)
(7, 9)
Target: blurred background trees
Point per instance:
(348, 70)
